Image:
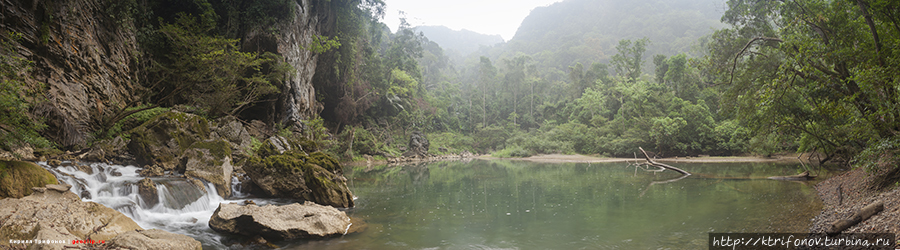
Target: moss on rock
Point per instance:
(301, 176)
(165, 137)
(18, 177)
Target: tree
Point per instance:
(210, 71)
(486, 74)
(630, 58)
(819, 70)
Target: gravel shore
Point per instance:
(855, 194)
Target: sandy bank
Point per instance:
(561, 158)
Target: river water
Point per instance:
(499, 204)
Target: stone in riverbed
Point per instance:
(293, 221)
(54, 211)
(154, 239)
(147, 191)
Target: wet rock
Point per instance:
(152, 171)
(57, 213)
(154, 239)
(88, 169)
(312, 177)
(54, 162)
(293, 221)
(147, 191)
(211, 162)
(18, 177)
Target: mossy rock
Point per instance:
(165, 137)
(210, 161)
(18, 177)
(296, 175)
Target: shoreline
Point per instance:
(842, 195)
(562, 158)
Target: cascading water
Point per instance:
(183, 207)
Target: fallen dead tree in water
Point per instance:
(661, 165)
(798, 177)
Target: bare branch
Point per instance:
(747, 46)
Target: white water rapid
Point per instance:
(183, 207)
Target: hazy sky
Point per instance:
(492, 17)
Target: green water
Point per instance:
(522, 205)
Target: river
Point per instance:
(502, 204)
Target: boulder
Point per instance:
(231, 130)
(163, 139)
(315, 177)
(54, 213)
(307, 220)
(154, 239)
(210, 161)
(18, 177)
(152, 171)
(418, 144)
(147, 191)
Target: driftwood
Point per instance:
(661, 165)
(860, 216)
(798, 177)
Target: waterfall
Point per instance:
(183, 207)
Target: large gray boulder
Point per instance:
(54, 213)
(210, 162)
(148, 193)
(307, 220)
(154, 239)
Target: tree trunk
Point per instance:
(666, 166)
(859, 216)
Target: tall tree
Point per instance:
(630, 58)
(818, 70)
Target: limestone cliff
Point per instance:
(291, 41)
(82, 55)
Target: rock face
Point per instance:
(18, 177)
(154, 239)
(308, 220)
(83, 55)
(418, 144)
(54, 213)
(300, 101)
(315, 177)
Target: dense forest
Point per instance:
(590, 77)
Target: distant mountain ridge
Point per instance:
(463, 41)
(588, 30)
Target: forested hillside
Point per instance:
(587, 31)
